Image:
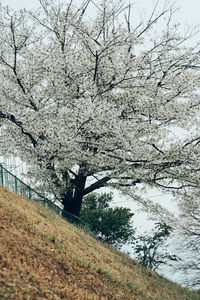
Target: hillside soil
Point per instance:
(42, 256)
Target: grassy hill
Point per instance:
(42, 256)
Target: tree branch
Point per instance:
(98, 184)
(19, 124)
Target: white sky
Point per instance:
(188, 12)
(189, 9)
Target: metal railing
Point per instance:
(14, 184)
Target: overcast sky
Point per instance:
(189, 9)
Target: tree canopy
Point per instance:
(110, 225)
(89, 102)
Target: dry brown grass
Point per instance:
(44, 257)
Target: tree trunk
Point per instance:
(72, 201)
(73, 204)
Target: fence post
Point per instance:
(29, 192)
(2, 183)
(16, 184)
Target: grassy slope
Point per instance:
(44, 257)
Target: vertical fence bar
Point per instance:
(29, 192)
(2, 183)
(16, 190)
(5, 178)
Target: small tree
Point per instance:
(149, 249)
(110, 225)
(188, 230)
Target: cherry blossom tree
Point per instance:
(92, 102)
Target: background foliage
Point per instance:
(110, 225)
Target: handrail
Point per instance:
(16, 185)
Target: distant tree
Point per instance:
(150, 250)
(91, 101)
(188, 244)
(110, 225)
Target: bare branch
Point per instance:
(98, 184)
